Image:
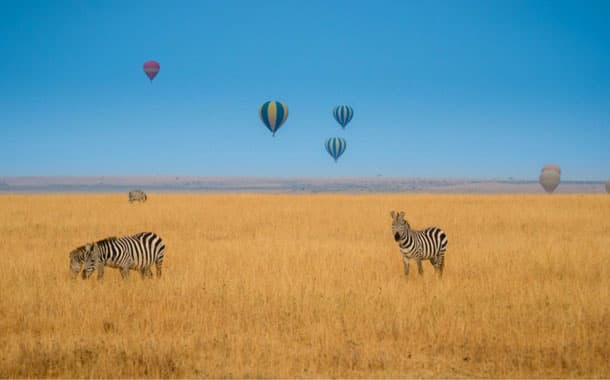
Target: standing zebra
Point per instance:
(428, 244)
(137, 195)
(137, 252)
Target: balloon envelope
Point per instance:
(608, 187)
(335, 146)
(551, 167)
(273, 114)
(343, 114)
(151, 69)
(549, 180)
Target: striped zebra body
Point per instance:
(138, 252)
(137, 195)
(428, 244)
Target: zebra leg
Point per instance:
(441, 265)
(125, 272)
(100, 271)
(158, 265)
(406, 264)
(146, 272)
(420, 270)
(438, 264)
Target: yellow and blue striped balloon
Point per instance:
(343, 115)
(273, 114)
(335, 146)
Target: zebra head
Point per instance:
(91, 259)
(400, 226)
(77, 259)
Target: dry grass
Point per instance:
(309, 286)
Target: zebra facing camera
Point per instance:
(426, 244)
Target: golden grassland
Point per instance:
(309, 286)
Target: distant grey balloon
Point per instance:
(549, 179)
(551, 167)
(608, 187)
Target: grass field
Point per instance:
(309, 286)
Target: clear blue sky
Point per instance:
(439, 88)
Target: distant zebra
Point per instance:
(428, 244)
(137, 195)
(138, 252)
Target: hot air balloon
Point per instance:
(608, 187)
(343, 115)
(551, 167)
(273, 114)
(549, 179)
(151, 69)
(335, 146)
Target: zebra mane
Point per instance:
(106, 240)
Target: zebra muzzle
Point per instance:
(396, 236)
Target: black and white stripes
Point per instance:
(428, 244)
(138, 252)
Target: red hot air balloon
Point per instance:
(151, 68)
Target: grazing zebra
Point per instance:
(428, 244)
(137, 252)
(137, 195)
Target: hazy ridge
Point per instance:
(167, 183)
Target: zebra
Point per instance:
(137, 195)
(428, 244)
(137, 252)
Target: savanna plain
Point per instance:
(271, 285)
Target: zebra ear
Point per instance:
(402, 214)
(392, 214)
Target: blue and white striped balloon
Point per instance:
(335, 146)
(343, 115)
(273, 114)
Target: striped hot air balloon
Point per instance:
(273, 114)
(343, 115)
(335, 146)
(151, 69)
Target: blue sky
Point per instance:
(440, 88)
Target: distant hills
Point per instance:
(285, 185)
